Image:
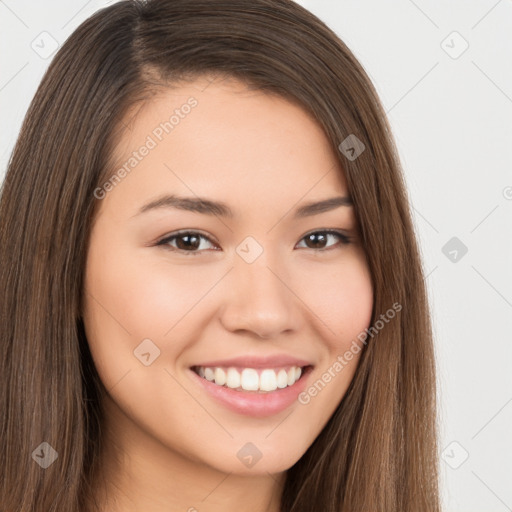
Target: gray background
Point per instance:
(450, 108)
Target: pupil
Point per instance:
(187, 245)
(316, 235)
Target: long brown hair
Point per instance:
(378, 452)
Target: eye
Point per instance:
(189, 242)
(320, 237)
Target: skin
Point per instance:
(169, 445)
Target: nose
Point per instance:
(260, 299)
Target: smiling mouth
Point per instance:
(259, 380)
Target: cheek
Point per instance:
(143, 296)
(124, 304)
(344, 305)
(133, 296)
(341, 296)
(355, 301)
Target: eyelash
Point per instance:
(345, 240)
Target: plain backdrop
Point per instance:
(443, 71)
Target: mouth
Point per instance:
(253, 380)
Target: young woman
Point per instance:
(213, 295)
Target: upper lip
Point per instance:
(274, 361)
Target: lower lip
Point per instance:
(253, 403)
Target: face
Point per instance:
(243, 293)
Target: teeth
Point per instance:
(268, 380)
(220, 376)
(282, 379)
(234, 379)
(209, 374)
(250, 379)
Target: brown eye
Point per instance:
(187, 242)
(318, 239)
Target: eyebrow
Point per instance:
(209, 207)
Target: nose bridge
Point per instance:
(259, 300)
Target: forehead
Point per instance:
(223, 138)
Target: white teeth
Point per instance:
(282, 379)
(268, 380)
(220, 376)
(209, 374)
(250, 379)
(234, 379)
